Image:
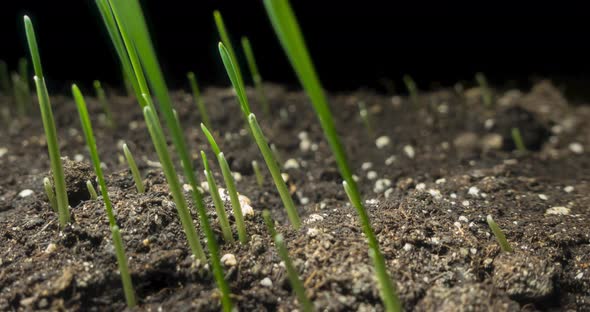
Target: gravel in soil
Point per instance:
(429, 177)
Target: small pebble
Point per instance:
(78, 157)
(390, 160)
(440, 181)
(473, 191)
(408, 247)
(381, 185)
(187, 187)
(543, 197)
(314, 217)
(305, 145)
(285, 177)
(409, 150)
(237, 176)
(367, 165)
(229, 260)
(266, 282)
(291, 164)
(579, 275)
(420, 186)
(371, 175)
(50, 248)
(568, 189)
(382, 142)
(388, 192)
(25, 193)
(463, 219)
(465, 203)
(558, 210)
(312, 232)
(576, 148)
(3, 151)
(489, 124)
(435, 193)
(304, 200)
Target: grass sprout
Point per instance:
(287, 29)
(486, 93)
(117, 241)
(23, 73)
(19, 94)
(500, 237)
(292, 273)
(134, 170)
(518, 141)
(49, 127)
(412, 90)
(198, 99)
(123, 267)
(364, 114)
(386, 286)
(258, 173)
(224, 36)
(173, 183)
(50, 193)
(271, 163)
(4, 79)
(91, 190)
(219, 206)
(130, 24)
(104, 103)
(256, 78)
(234, 198)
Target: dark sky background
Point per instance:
(353, 43)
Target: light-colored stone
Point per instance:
(382, 142)
(229, 260)
(558, 210)
(25, 193)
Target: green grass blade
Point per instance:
(234, 198)
(386, 286)
(104, 103)
(198, 99)
(256, 78)
(219, 206)
(518, 141)
(123, 267)
(53, 150)
(500, 237)
(5, 86)
(486, 93)
(275, 172)
(412, 90)
(211, 139)
(32, 41)
(91, 190)
(258, 174)
(173, 182)
(236, 79)
(224, 36)
(292, 274)
(91, 144)
(111, 25)
(134, 170)
(19, 95)
(50, 194)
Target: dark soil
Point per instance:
(448, 165)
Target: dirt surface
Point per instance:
(428, 187)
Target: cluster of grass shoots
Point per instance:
(287, 29)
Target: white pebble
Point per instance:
(229, 260)
(314, 217)
(3, 151)
(371, 175)
(25, 193)
(390, 160)
(305, 145)
(576, 148)
(440, 181)
(558, 210)
(204, 186)
(408, 247)
(409, 150)
(367, 165)
(543, 197)
(382, 141)
(489, 124)
(237, 176)
(266, 282)
(381, 185)
(453, 195)
(291, 164)
(465, 203)
(50, 248)
(355, 178)
(463, 219)
(302, 135)
(78, 157)
(420, 186)
(285, 177)
(568, 189)
(187, 187)
(312, 232)
(304, 200)
(579, 275)
(473, 191)
(388, 192)
(435, 193)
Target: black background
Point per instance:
(353, 43)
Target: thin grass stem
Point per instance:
(412, 90)
(256, 78)
(134, 170)
(198, 99)
(91, 190)
(234, 198)
(486, 93)
(217, 202)
(123, 267)
(50, 193)
(500, 237)
(258, 174)
(518, 141)
(104, 103)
